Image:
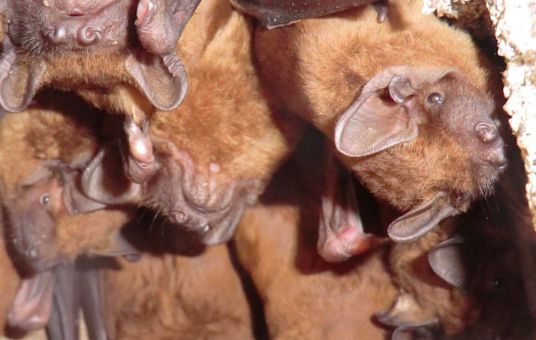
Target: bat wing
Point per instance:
(274, 13)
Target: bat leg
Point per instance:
(341, 233)
(63, 324)
(140, 162)
(382, 8)
(91, 301)
(344, 243)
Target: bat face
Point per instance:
(127, 43)
(424, 139)
(52, 27)
(32, 226)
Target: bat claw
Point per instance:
(140, 164)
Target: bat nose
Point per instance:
(74, 33)
(89, 35)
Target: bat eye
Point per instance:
(498, 284)
(435, 98)
(45, 199)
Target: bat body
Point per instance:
(178, 289)
(303, 295)
(406, 112)
(214, 154)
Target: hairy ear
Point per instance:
(418, 221)
(384, 115)
(19, 79)
(33, 303)
(162, 80)
(447, 261)
(275, 13)
(103, 181)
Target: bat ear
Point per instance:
(100, 181)
(417, 222)
(405, 312)
(119, 246)
(385, 114)
(162, 80)
(32, 306)
(427, 331)
(74, 198)
(19, 79)
(447, 261)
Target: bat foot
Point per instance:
(140, 164)
(345, 243)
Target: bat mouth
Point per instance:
(195, 201)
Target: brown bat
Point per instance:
(275, 13)
(464, 278)
(107, 50)
(405, 111)
(215, 153)
(178, 289)
(305, 297)
(43, 236)
(34, 216)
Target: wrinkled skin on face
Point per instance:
(31, 224)
(215, 153)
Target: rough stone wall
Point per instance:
(513, 22)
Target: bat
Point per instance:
(464, 278)
(408, 114)
(43, 230)
(114, 50)
(215, 153)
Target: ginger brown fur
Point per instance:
(304, 296)
(317, 68)
(178, 289)
(63, 128)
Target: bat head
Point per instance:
(93, 44)
(30, 219)
(426, 140)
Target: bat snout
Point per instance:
(73, 33)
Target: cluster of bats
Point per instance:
(250, 168)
